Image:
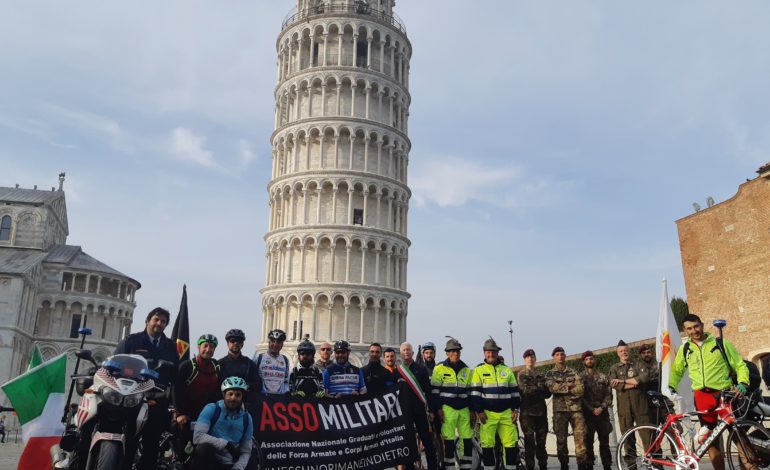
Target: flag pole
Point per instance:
(83, 333)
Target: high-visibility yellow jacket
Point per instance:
(707, 366)
(451, 384)
(494, 388)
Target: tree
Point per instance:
(680, 309)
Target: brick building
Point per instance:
(726, 263)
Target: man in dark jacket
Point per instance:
(376, 377)
(154, 346)
(235, 364)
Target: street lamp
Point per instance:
(510, 332)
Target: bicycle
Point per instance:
(749, 442)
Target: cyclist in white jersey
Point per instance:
(273, 367)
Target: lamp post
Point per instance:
(510, 332)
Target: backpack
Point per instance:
(218, 413)
(194, 372)
(755, 379)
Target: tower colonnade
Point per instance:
(336, 249)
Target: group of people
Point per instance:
(448, 398)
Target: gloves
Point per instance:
(742, 388)
(235, 451)
(221, 444)
(320, 394)
(299, 393)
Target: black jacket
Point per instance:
(139, 343)
(377, 378)
(244, 368)
(421, 374)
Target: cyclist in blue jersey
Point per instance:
(223, 432)
(342, 378)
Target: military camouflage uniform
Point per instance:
(567, 389)
(534, 417)
(653, 384)
(597, 393)
(633, 406)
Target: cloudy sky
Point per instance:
(554, 146)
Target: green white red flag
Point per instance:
(36, 358)
(38, 398)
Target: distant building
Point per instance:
(726, 263)
(49, 289)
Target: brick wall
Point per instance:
(726, 263)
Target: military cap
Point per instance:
(529, 352)
(586, 354)
(621, 343)
(490, 345)
(645, 347)
(453, 345)
(556, 350)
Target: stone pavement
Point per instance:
(9, 454)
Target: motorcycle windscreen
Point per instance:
(125, 366)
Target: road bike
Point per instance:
(648, 447)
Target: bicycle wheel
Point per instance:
(749, 446)
(632, 454)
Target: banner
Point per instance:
(180, 334)
(357, 432)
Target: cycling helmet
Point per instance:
(234, 382)
(278, 335)
(305, 346)
(429, 345)
(235, 333)
(341, 345)
(207, 338)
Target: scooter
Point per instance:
(103, 428)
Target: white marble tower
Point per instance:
(337, 246)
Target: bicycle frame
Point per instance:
(726, 420)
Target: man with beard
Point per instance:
(235, 364)
(450, 385)
(534, 412)
(197, 385)
(154, 346)
(305, 379)
(223, 431)
(376, 377)
(429, 356)
(343, 378)
(597, 398)
(389, 360)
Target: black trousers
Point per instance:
(423, 429)
(158, 421)
(205, 458)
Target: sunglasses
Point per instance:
(326, 349)
(305, 353)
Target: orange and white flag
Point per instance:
(668, 342)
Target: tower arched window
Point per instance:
(5, 228)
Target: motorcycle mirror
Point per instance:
(85, 355)
(720, 323)
(149, 374)
(84, 331)
(163, 365)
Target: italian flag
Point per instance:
(38, 399)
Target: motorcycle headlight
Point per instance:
(133, 400)
(111, 396)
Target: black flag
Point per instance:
(181, 332)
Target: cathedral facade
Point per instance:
(337, 246)
(48, 289)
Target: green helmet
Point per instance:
(207, 338)
(234, 382)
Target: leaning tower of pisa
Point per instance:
(337, 246)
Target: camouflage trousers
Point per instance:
(601, 426)
(535, 430)
(562, 420)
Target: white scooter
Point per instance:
(110, 415)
